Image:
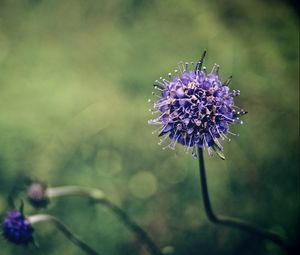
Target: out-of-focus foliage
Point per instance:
(75, 77)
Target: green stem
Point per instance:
(233, 222)
(135, 228)
(64, 229)
(98, 196)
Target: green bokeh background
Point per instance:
(75, 77)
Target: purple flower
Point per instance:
(16, 228)
(196, 109)
(37, 195)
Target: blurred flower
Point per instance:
(39, 195)
(36, 194)
(195, 108)
(16, 228)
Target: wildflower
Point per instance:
(36, 194)
(16, 228)
(195, 108)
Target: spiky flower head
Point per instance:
(16, 228)
(37, 194)
(196, 109)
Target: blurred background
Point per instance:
(75, 77)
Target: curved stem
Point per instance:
(98, 196)
(233, 222)
(64, 229)
(135, 228)
(74, 191)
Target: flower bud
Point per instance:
(37, 196)
(16, 228)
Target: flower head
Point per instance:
(195, 108)
(37, 195)
(16, 228)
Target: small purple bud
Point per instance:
(37, 196)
